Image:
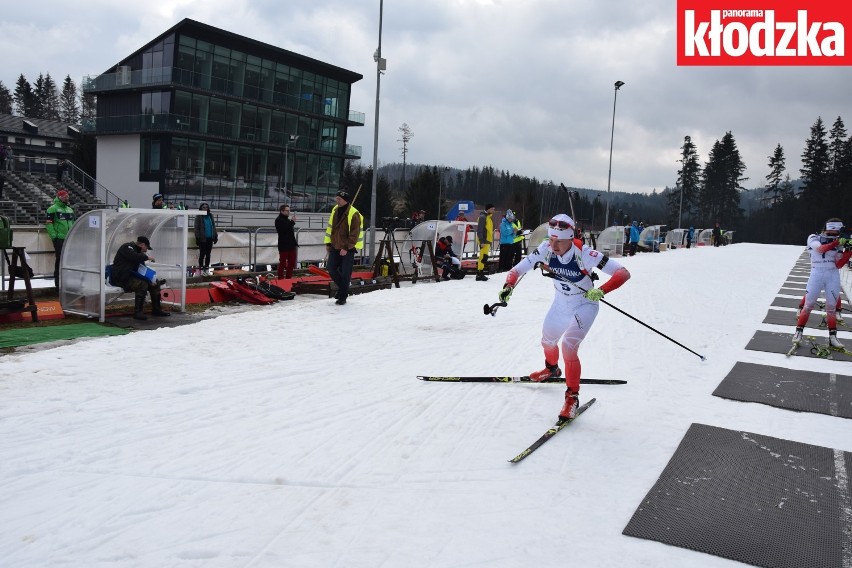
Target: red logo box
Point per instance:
(779, 32)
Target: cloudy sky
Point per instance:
(522, 85)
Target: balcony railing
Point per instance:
(182, 124)
(168, 76)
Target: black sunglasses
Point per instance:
(561, 224)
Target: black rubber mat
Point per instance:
(751, 498)
(806, 391)
(772, 342)
(798, 285)
(798, 292)
(787, 317)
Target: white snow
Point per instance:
(296, 435)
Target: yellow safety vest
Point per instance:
(359, 245)
(518, 236)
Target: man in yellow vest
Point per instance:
(484, 232)
(343, 237)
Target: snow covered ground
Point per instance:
(296, 435)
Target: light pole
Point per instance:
(381, 65)
(618, 85)
(291, 139)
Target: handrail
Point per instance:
(99, 191)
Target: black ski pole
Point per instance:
(551, 274)
(492, 309)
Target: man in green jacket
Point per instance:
(60, 217)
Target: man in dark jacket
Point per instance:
(125, 273)
(287, 245)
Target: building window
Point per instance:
(50, 143)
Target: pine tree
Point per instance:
(836, 149)
(51, 99)
(6, 99)
(720, 194)
(39, 97)
(776, 174)
(69, 111)
(23, 97)
(88, 107)
(815, 164)
(685, 199)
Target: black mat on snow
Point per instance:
(786, 317)
(806, 391)
(772, 342)
(798, 285)
(751, 498)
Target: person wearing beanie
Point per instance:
(508, 232)
(60, 218)
(157, 201)
(484, 232)
(575, 301)
(205, 235)
(344, 236)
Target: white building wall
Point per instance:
(118, 169)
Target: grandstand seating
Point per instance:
(26, 197)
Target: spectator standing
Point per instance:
(343, 237)
(157, 201)
(507, 241)
(484, 232)
(829, 253)
(10, 159)
(634, 237)
(3, 157)
(205, 235)
(60, 218)
(125, 273)
(461, 216)
(717, 235)
(689, 235)
(61, 171)
(518, 248)
(575, 302)
(288, 247)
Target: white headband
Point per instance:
(834, 226)
(562, 234)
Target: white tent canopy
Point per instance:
(91, 245)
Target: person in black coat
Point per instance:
(288, 248)
(124, 273)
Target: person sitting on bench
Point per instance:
(125, 273)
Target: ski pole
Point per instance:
(492, 309)
(550, 274)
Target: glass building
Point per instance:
(212, 116)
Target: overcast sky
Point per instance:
(522, 85)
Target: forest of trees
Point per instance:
(46, 100)
(776, 209)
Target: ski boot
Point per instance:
(480, 276)
(569, 409)
(833, 342)
(549, 372)
(797, 337)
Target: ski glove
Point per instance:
(505, 293)
(845, 242)
(594, 294)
